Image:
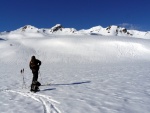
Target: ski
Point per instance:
(48, 84)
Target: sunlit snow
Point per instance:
(88, 73)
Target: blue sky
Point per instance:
(79, 14)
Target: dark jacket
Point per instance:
(34, 64)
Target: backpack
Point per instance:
(34, 65)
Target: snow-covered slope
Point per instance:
(116, 31)
(109, 31)
(139, 34)
(88, 73)
(60, 30)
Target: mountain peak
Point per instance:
(56, 28)
(28, 27)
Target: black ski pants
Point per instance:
(35, 76)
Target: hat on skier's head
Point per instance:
(33, 58)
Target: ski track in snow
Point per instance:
(46, 101)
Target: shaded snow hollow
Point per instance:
(88, 73)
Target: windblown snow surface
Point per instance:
(88, 74)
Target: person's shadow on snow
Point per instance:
(49, 89)
(74, 83)
(68, 84)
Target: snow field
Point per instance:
(94, 74)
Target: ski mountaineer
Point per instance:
(34, 66)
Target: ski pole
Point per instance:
(22, 78)
(23, 84)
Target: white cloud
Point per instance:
(129, 26)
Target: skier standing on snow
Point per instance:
(34, 66)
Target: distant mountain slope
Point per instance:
(97, 30)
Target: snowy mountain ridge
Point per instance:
(58, 29)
